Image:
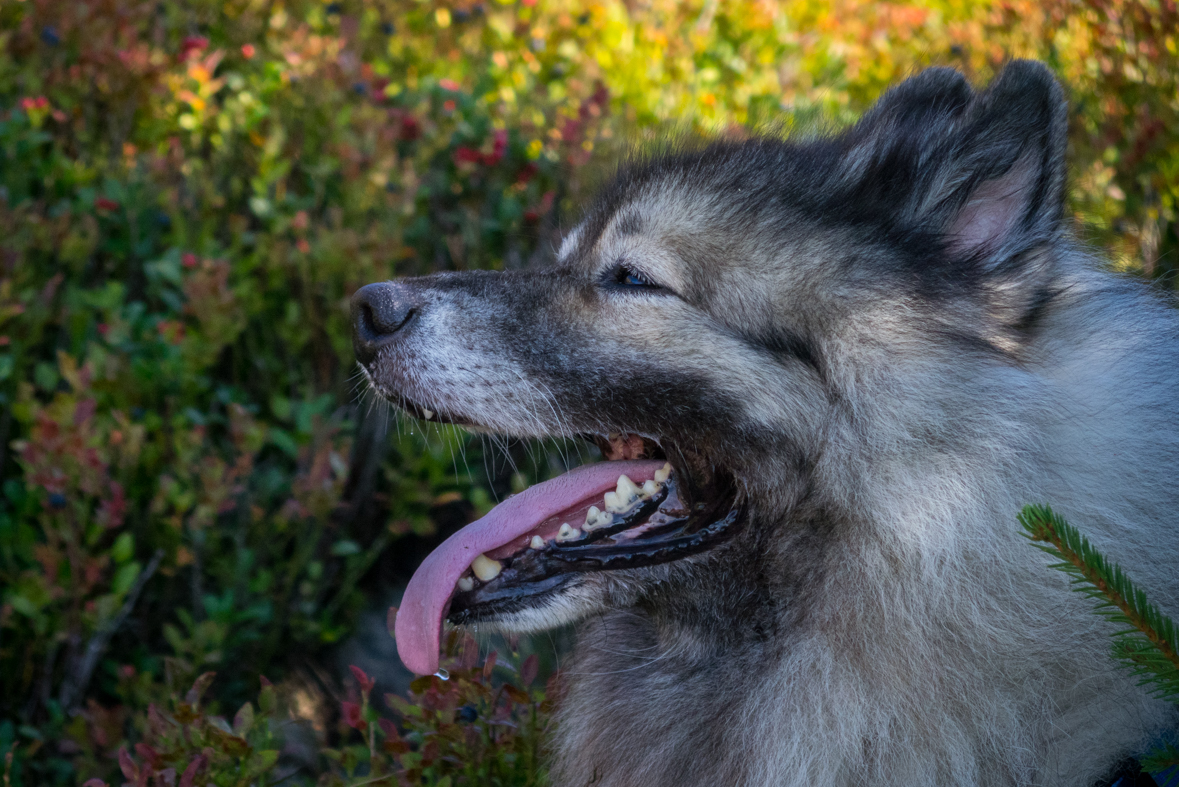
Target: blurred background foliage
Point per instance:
(191, 481)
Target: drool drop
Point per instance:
(442, 673)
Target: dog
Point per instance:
(826, 374)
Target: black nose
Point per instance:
(379, 311)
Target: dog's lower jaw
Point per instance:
(574, 601)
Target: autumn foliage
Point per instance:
(190, 190)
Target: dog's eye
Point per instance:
(627, 277)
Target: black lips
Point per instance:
(672, 533)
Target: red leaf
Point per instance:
(147, 754)
(498, 147)
(193, 697)
(465, 155)
(190, 772)
(103, 203)
(527, 172)
(489, 665)
(94, 783)
(127, 765)
(515, 694)
(352, 717)
(155, 720)
(449, 84)
(529, 669)
(193, 44)
(410, 130)
(366, 683)
(468, 652)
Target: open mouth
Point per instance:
(639, 508)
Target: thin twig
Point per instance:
(75, 685)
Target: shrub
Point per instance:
(190, 192)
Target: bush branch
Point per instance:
(75, 684)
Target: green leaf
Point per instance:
(1161, 758)
(23, 605)
(283, 440)
(45, 376)
(243, 720)
(345, 547)
(123, 548)
(281, 407)
(125, 578)
(263, 760)
(267, 700)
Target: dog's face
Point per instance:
(703, 325)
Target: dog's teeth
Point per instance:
(427, 414)
(663, 473)
(537, 543)
(650, 488)
(466, 584)
(616, 503)
(595, 519)
(627, 490)
(591, 518)
(568, 533)
(485, 568)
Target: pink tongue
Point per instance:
(419, 620)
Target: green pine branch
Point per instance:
(1160, 759)
(1149, 646)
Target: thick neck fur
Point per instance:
(902, 631)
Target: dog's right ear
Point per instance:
(984, 173)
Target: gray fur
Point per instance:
(891, 340)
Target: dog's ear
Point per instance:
(885, 165)
(1001, 191)
(984, 172)
(905, 124)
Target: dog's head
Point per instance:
(711, 325)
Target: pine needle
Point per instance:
(1148, 645)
